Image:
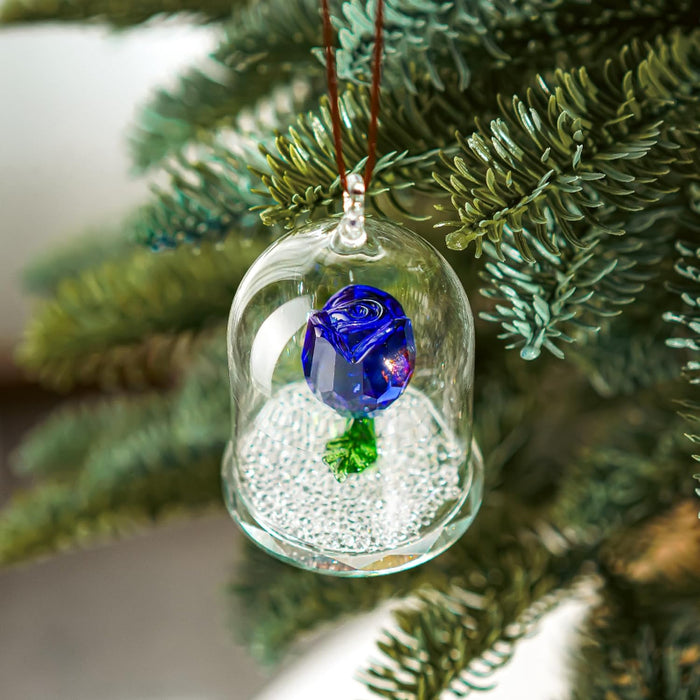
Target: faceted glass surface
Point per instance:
(424, 488)
(359, 352)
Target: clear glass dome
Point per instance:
(421, 486)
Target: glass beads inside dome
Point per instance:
(351, 351)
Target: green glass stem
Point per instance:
(353, 451)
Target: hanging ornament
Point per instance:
(351, 358)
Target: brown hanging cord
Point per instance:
(332, 78)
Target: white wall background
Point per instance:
(67, 96)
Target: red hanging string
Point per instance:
(374, 95)
(332, 78)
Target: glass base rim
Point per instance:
(310, 558)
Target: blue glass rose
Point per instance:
(359, 352)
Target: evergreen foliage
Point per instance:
(579, 148)
(296, 601)
(64, 515)
(118, 464)
(558, 137)
(64, 441)
(688, 271)
(562, 296)
(615, 486)
(644, 660)
(238, 75)
(688, 268)
(431, 40)
(118, 13)
(107, 327)
(208, 199)
(503, 591)
(43, 275)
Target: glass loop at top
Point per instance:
(351, 235)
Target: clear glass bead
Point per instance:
(424, 486)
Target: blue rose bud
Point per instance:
(359, 353)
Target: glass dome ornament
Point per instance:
(351, 359)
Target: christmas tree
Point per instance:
(557, 142)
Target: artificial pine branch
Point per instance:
(63, 442)
(301, 175)
(134, 461)
(579, 149)
(625, 357)
(117, 322)
(688, 269)
(643, 470)
(202, 410)
(155, 361)
(300, 172)
(295, 602)
(491, 48)
(264, 46)
(424, 42)
(256, 39)
(43, 275)
(507, 578)
(564, 296)
(628, 659)
(119, 13)
(61, 516)
(205, 202)
(130, 481)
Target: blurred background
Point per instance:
(144, 618)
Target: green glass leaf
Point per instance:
(354, 451)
